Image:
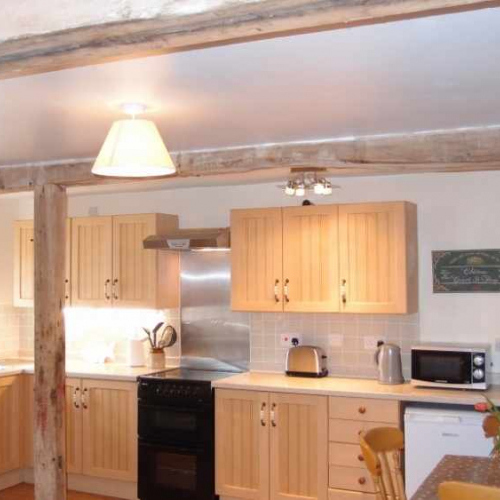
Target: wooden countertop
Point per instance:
(80, 369)
(331, 386)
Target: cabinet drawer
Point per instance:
(345, 455)
(349, 495)
(350, 478)
(369, 410)
(347, 431)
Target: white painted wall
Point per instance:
(455, 211)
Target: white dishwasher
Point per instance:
(430, 434)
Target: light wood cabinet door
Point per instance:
(143, 278)
(73, 423)
(109, 429)
(74, 426)
(310, 259)
(242, 444)
(24, 264)
(299, 447)
(257, 260)
(91, 261)
(9, 424)
(378, 257)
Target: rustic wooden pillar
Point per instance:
(50, 351)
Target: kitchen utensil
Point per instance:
(388, 359)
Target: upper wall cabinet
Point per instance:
(257, 260)
(378, 258)
(310, 259)
(24, 263)
(110, 267)
(328, 258)
(106, 265)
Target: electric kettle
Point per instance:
(388, 359)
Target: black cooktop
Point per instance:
(189, 374)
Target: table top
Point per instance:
(478, 470)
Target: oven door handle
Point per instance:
(177, 409)
(171, 447)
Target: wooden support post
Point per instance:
(50, 352)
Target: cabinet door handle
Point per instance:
(362, 410)
(287, 298)
(343, 291)
(76, 392)
(106, 290)
(276, 291)
(66, 288)
(84, 399)
(263, 415)
(361, 458)
(273, 415)
(115, 285)
(362, 480)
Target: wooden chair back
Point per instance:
(452, 490)
(381, 448)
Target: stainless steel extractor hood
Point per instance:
(190, 239)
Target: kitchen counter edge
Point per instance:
(109, 371)
(347, 387)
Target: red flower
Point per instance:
(482, 407)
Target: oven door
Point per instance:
(169, 472)
(176, 425)
(441, 368)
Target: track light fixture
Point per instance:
(304, 181)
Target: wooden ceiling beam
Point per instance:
(178, 25)
(459, 150)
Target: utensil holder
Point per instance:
(156, 359)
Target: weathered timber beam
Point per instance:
(176, 25)
(50, 354)
(459, 150)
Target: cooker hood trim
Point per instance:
(190, 240)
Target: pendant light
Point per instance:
(133, 148)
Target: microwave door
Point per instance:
(442, 367)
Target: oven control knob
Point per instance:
(478, 374)
(478, 360)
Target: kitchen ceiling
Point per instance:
(431, 73)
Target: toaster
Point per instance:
(306, 361)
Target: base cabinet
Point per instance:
(101, 428)
(271, 446)
(9, 423)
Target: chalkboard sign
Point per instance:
(466, 271)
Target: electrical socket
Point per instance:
(286, 339)
(370, 343)
(93, 211)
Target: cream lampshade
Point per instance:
(133, 148)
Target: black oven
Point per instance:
(450, 366)
(173, 472)
(176, 435)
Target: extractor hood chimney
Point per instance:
(190, 239)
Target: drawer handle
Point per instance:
(362, 410)
(362, 481)
(361, 458)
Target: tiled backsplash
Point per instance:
(346, 338)
(91, 333)
(14, 325)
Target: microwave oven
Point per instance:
(451, 366)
